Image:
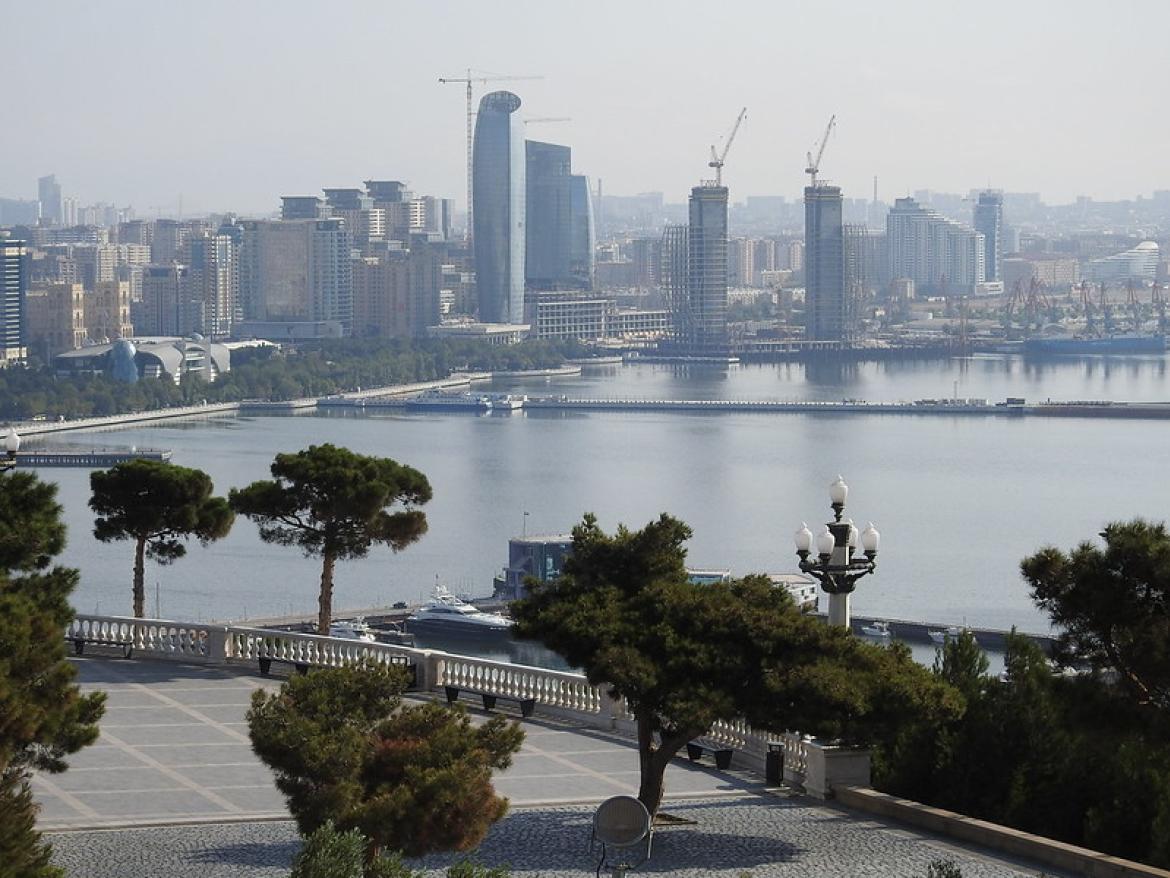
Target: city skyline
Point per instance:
(922, 100)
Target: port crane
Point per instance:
(468, 80)
(1158, 303)
(718, 158)
(814, 166)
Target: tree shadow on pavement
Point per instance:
(277, 854)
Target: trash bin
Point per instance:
(774, 764)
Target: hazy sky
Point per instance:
(232, 104)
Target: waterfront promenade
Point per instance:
(172, 787)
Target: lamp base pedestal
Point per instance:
(839, 611)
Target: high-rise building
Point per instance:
(582, 235)
(213, 283)
(107, 312)
(55, 319)
(937, 253)
(989, 221)
(13, 290)
(548, 215)
(164, 309)
(707, 266)
(49, 195)
(825, 299)
(296, 271)
(302, 207)
(167, 240)
(498, 193)
(397, 292)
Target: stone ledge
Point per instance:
(1061, 855)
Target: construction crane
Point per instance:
(814, 167)
(717, 158)
(468, 80)
(1158, 303)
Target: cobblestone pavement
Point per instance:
(761, 836)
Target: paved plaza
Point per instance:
(172, 787)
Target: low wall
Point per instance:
(1058, 854)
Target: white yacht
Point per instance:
(954, 632)
(876, 628)
(352, 629)
(446, 614)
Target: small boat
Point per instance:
(951, 633)
(352, 629)
(876, 628)
(506, 402)
(444, 613)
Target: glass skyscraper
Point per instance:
(548, 215)
(498, 194)
(583, 237)
(824, 264)
(989, 221)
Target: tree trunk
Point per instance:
(325, 600)
(139, 576)
(652, 761)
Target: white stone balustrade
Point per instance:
(816, 767)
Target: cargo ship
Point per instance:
(1129, 343)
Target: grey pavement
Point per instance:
(172, 786)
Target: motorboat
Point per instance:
(876, 628)
(954, 632)
(506, 402)
(445, 613)
(352, 629)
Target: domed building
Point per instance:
(166, 358)
(1140, 263)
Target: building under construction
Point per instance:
(694, 272)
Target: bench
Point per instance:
(721, 752)
(302, 667)
(527, 705)
(80, 640)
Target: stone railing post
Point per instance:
(217, 645)
(430, 670)
(829, 766)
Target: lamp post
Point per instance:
(834, 566)
(11, 446)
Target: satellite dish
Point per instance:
(621, 822)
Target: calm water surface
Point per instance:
(959, 500)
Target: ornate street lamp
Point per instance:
(11, 446)
(834, 566)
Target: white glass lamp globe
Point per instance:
(838, 491)
(870, 538)
(12, 442)
(825, 543)
(803, 538)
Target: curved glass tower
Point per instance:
(498, 192)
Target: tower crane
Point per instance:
(815, 166)
(468, 80)
(717, 158)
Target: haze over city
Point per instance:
(227, 106)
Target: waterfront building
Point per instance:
(1139, 263)
(548, 215)
(940, 254)
(14, 270)
(989, 222)
(498, 193)
(582, 234)
(397, 292)
(166, 358)
(295, 271)
(539, 557)
(49, 196)
(826, 312)
(1056, 272)
(493, 333)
